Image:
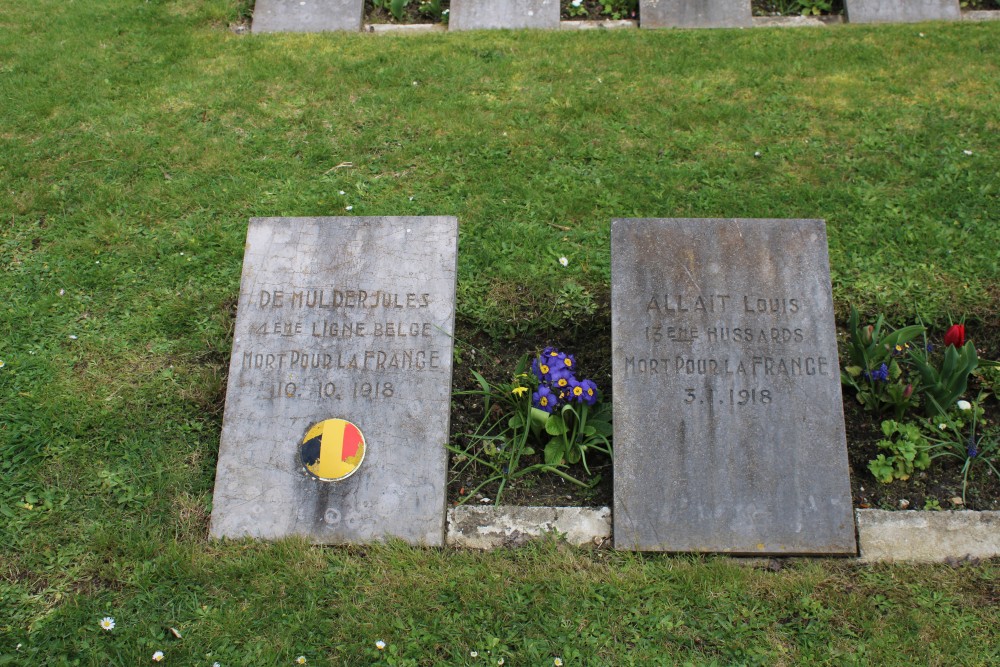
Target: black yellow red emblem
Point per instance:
(332, 450)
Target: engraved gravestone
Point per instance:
(695, 14)
(307, 15)
(339, 388)
(729, 429)
(901, 11)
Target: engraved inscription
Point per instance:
(745, 334)
(331, 298)
(357, 354)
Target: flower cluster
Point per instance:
(972, 449)
(557, 381)
(880, 373)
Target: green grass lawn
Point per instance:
(136, 139)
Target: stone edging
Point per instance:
(758, 22)
(883, 536)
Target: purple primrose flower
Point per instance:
(544, 399)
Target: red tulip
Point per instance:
(955, 335)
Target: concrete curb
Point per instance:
(598, 25)
(981, 15)
(795, 21)
(883, 536)
(927, 537)
(508, 525)
(758, 22)
(407, 28)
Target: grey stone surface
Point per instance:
(695, 14)
(406, 28)
(492, 14)
(901, 11)
(927, 536)
(795, 21)
(729, 428)
(494, 527)
(347, 318)
(981, 15)
(608, 24)
(307, 15)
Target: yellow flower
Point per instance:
(518, 391)
(301, 660)
(557, 662)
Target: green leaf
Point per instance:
(573, 455)
(482, 381)
(602, 427)
(554, 452)
(881, 468)
(528, 451)
(555, 425)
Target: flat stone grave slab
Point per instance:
(729, 427)
(494, 14)
(695, 14)
(307, 15)
(339, 389)
(901, 11)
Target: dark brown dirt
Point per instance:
(495, 362)
(411, 13)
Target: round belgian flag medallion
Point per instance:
(333, 449)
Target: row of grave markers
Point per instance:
(728, 424)
(329, 15)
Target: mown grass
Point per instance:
(137, 138)
(267, 604)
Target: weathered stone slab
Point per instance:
(901, 11)
(307, 15)
(927, 537)
(494, 14)
(340, 319)
(695, 14)
(729, 428)
(509, 526)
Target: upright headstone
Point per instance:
(339, 389)
(695, 14)
(307, 15)
(492, 14)
(729, 427)
(901, 11)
